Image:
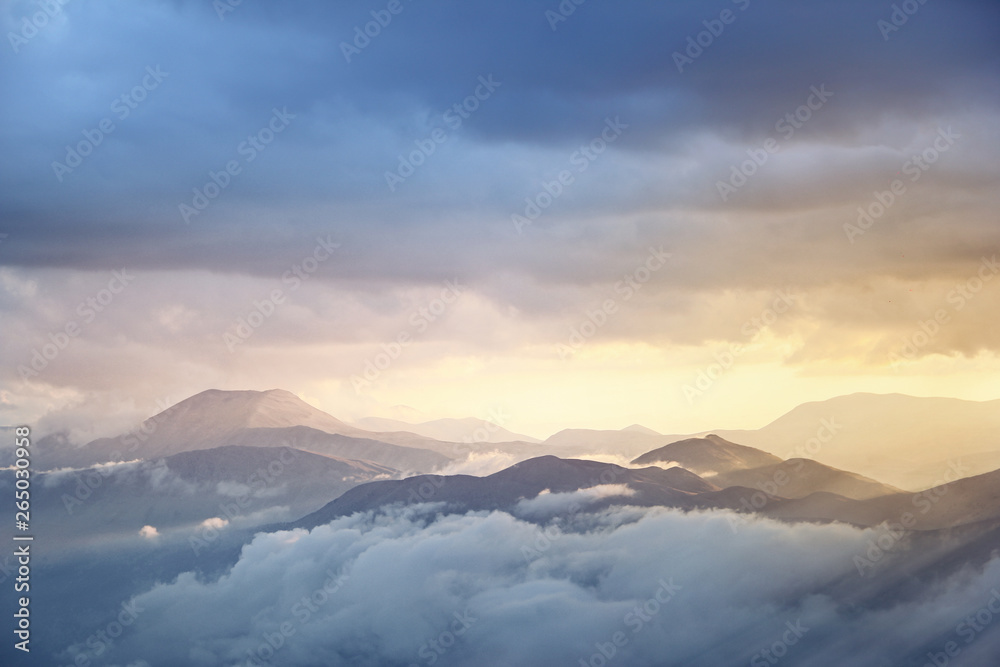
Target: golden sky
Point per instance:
(806, 208)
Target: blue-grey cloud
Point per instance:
(222, 79)
(405, 588)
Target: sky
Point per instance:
(689, 215)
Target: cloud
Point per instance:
(232, 489)
(149, 532)
(324, 177)
(481, 464)
(368, 590)
(54, 478)
(214, 523)
(355, 119)
(619, 460)
(548, 503)
(165, 480)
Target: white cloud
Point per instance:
(215, 522)
(547, 503)
(406, 578)
(481, 464)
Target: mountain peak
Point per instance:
(214, 415)
(708, 455)
(639, 428)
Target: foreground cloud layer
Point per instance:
(626, 586)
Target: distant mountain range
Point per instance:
(216, 418)
(674, 487)
(728, 464)
(903, 440)
(708, 456)
(448, 430)
(208, 446)
(189, 489)
(966, 501)
(242, 486)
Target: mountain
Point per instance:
(448, 430)
(964, 501)
(272, 418)
(891, 437)
(653, 486)
(213, 415)
(408, 459)
(244, 486)
(628, 442)
(709, 456)
(797, 478)
(728, 464)
(639, 428)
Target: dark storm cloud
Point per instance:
(326, 169)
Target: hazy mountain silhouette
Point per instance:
(244, 486)
(673, 487)
(797, 478)
(447, 430)
(894, 438)
(964, 501)
(215, 418)
(710, 455)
